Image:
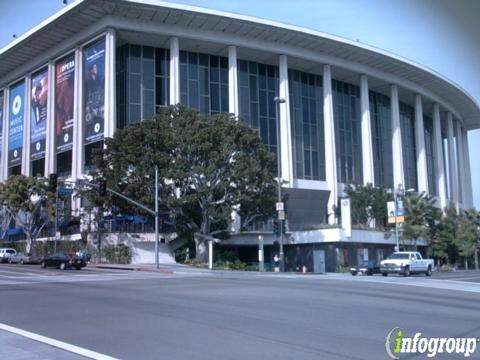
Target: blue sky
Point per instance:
(440, 34)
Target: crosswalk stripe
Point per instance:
(57, 343)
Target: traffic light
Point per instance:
(52, 183)
(276, 227)
(102, 188)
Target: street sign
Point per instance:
(280, 206)
(396, 219)
(395, 214)
(391, 209)
(281, 215)
(65, 191)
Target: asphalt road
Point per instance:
(199, 315)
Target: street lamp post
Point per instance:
(398, 192)
(279, 101)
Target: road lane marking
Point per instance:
(56, 343)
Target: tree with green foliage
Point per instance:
(421, 217)
(209, 166)
(442, 243)
(468, 236)
(25, 199)
(466, 239)
(368, 204)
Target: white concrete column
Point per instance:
(4, 155)
(439, 168)
(452, 163)
(77, 141)
(398, 174)
(110, 85)
(286, 151)
(468, 174)
(422, 175)
(367, 150)
(26, 127)
(329, 134)
(232, 81)
(174, 71)
(461, 166)
(50, 151)
(78, 123)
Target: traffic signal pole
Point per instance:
(154, 213)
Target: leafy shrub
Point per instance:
(17, 245)
(118, 254)
(194, 262)
(446, 268)
(230, 265)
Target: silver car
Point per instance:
(23, 258)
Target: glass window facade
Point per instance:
(407, 125)
(258, 86)
(346, 105)
(142, 82)
(430, 151)
(306, 114)
(381, 124)
(204, 82)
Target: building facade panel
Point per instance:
(381, 139)
(258, 85)
(409, 151)
(306, 113)
(348, 137)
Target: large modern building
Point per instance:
(352, 114)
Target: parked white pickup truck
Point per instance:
(406, 263)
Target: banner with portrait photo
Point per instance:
(38, 116)
(16, 118)
(1, 121)
(64, 99)
(94, 91)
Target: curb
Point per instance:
(131, 268)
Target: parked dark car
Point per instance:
(368, 267)
(63, 261)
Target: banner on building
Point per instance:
(15, 124)
(345, 212)
(38, 117)
(94, 91)
(1, 122)
(64, 99)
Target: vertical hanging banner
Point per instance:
(38, 118)
(94, 91)
(346, 216)
(64, 98)
(1, 123)
(15, 124)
